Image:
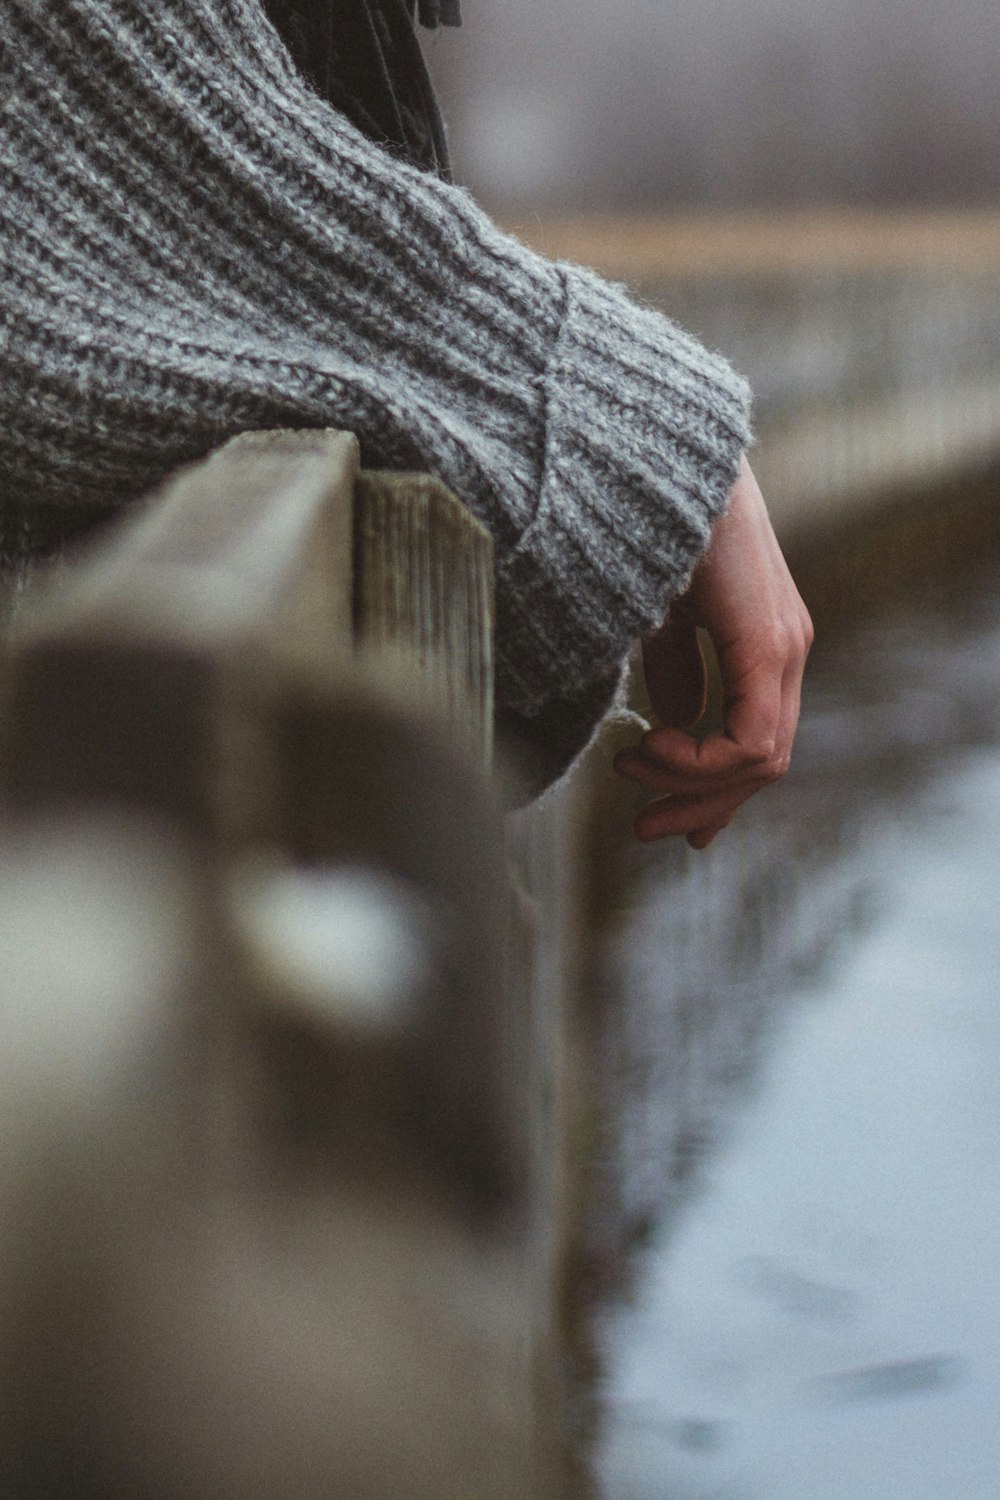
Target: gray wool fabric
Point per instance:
(193, 243)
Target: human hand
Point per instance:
(743, 594)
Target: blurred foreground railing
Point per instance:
(287, 1031)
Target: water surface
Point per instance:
(812, 1115)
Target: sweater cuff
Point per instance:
(644, 432)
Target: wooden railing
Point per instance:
(297, 1038)
(289, 1011)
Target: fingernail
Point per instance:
(644, 832)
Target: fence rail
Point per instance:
(289, 1121)
(299, 1058)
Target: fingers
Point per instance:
(742, 594)
(697, 806)
(679, 772)
(760, 715)
(707, 781)
(753, 704)
(698, 819)
(762, 673)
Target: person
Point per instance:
(220, 215)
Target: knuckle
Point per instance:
(786, 640)
(770, 765)
(775, 645)
(760, 755)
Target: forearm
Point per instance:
(195, 244)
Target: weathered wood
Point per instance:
(126, 679)
(249, 549)
(98, 957)
(425, 594)
(251, 561)
(315, 1206)
(363, 784)
(324, 1312)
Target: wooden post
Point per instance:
(424, 593)
(333, 1284)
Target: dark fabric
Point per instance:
(439, 13)
(535, 752)
(364, 57)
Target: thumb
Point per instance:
(676, 677)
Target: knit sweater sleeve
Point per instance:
(193, 243)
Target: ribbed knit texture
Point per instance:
(194, 243)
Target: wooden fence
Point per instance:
(300, 1047)
(291, 1022)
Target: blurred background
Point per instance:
(810, 188)
(786, 1290)
(581, 104)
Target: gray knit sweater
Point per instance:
(193, 243)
